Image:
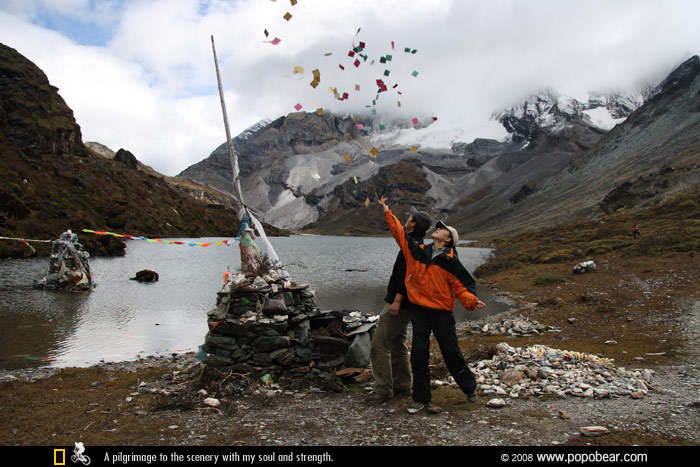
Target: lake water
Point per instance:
(122, 319)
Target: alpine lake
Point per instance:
(123, 319)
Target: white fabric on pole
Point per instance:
(270, 250)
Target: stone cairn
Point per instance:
(246, 335)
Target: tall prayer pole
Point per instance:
(250, 254)
(232, 154)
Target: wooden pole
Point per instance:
(233, 155)
(250, 254)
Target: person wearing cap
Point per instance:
(388, 352)
(434, 277)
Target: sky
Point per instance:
(140, 75)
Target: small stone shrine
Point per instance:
(267, 322)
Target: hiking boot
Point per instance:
(416, 407)
(471, 397)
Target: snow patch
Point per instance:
(442, 134)
(601, 118)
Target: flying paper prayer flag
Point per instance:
(357, 87)
(362, 45)
(392, 45)
(374, 111)
(293, 2)
(357, 63)
(314, 83)
(317, 74)
(373, 152)
(415, 121)
(346, 136)
(382, 126)
(298, 107)
(299, 70)
(319, 111)
(414, 149)
(328, 54)
(355, 180)
(287, 16)
(266, 33)
(415, 73)
(346, 157)
(351, 53)
(360, 126)
(367, 202)
(386, 72)
(274, 41)
(407, 49)
(341, 66)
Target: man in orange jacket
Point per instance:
(434, 277)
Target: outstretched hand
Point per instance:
(382, 202)
(479, 305)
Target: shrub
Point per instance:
(548, 279)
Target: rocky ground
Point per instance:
(643, 313)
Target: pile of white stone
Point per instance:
(540, 370)
(516, 326)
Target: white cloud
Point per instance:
(151, 87)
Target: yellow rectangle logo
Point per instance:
(59, 457)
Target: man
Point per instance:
(434, 276)
(389, 353)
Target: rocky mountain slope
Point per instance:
(50, 181)
(650, 157)
(563, 159)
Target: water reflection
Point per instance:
(122, 319)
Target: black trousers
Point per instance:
(442, 324)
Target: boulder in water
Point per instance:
(146, 275)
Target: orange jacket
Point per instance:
(433, 283)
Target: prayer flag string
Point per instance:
(158, 240)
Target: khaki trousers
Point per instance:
(389, 353)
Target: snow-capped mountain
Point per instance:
(320, 172)
(551, 112)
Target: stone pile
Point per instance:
(518, 326)
(540, 370)
(250, 332)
